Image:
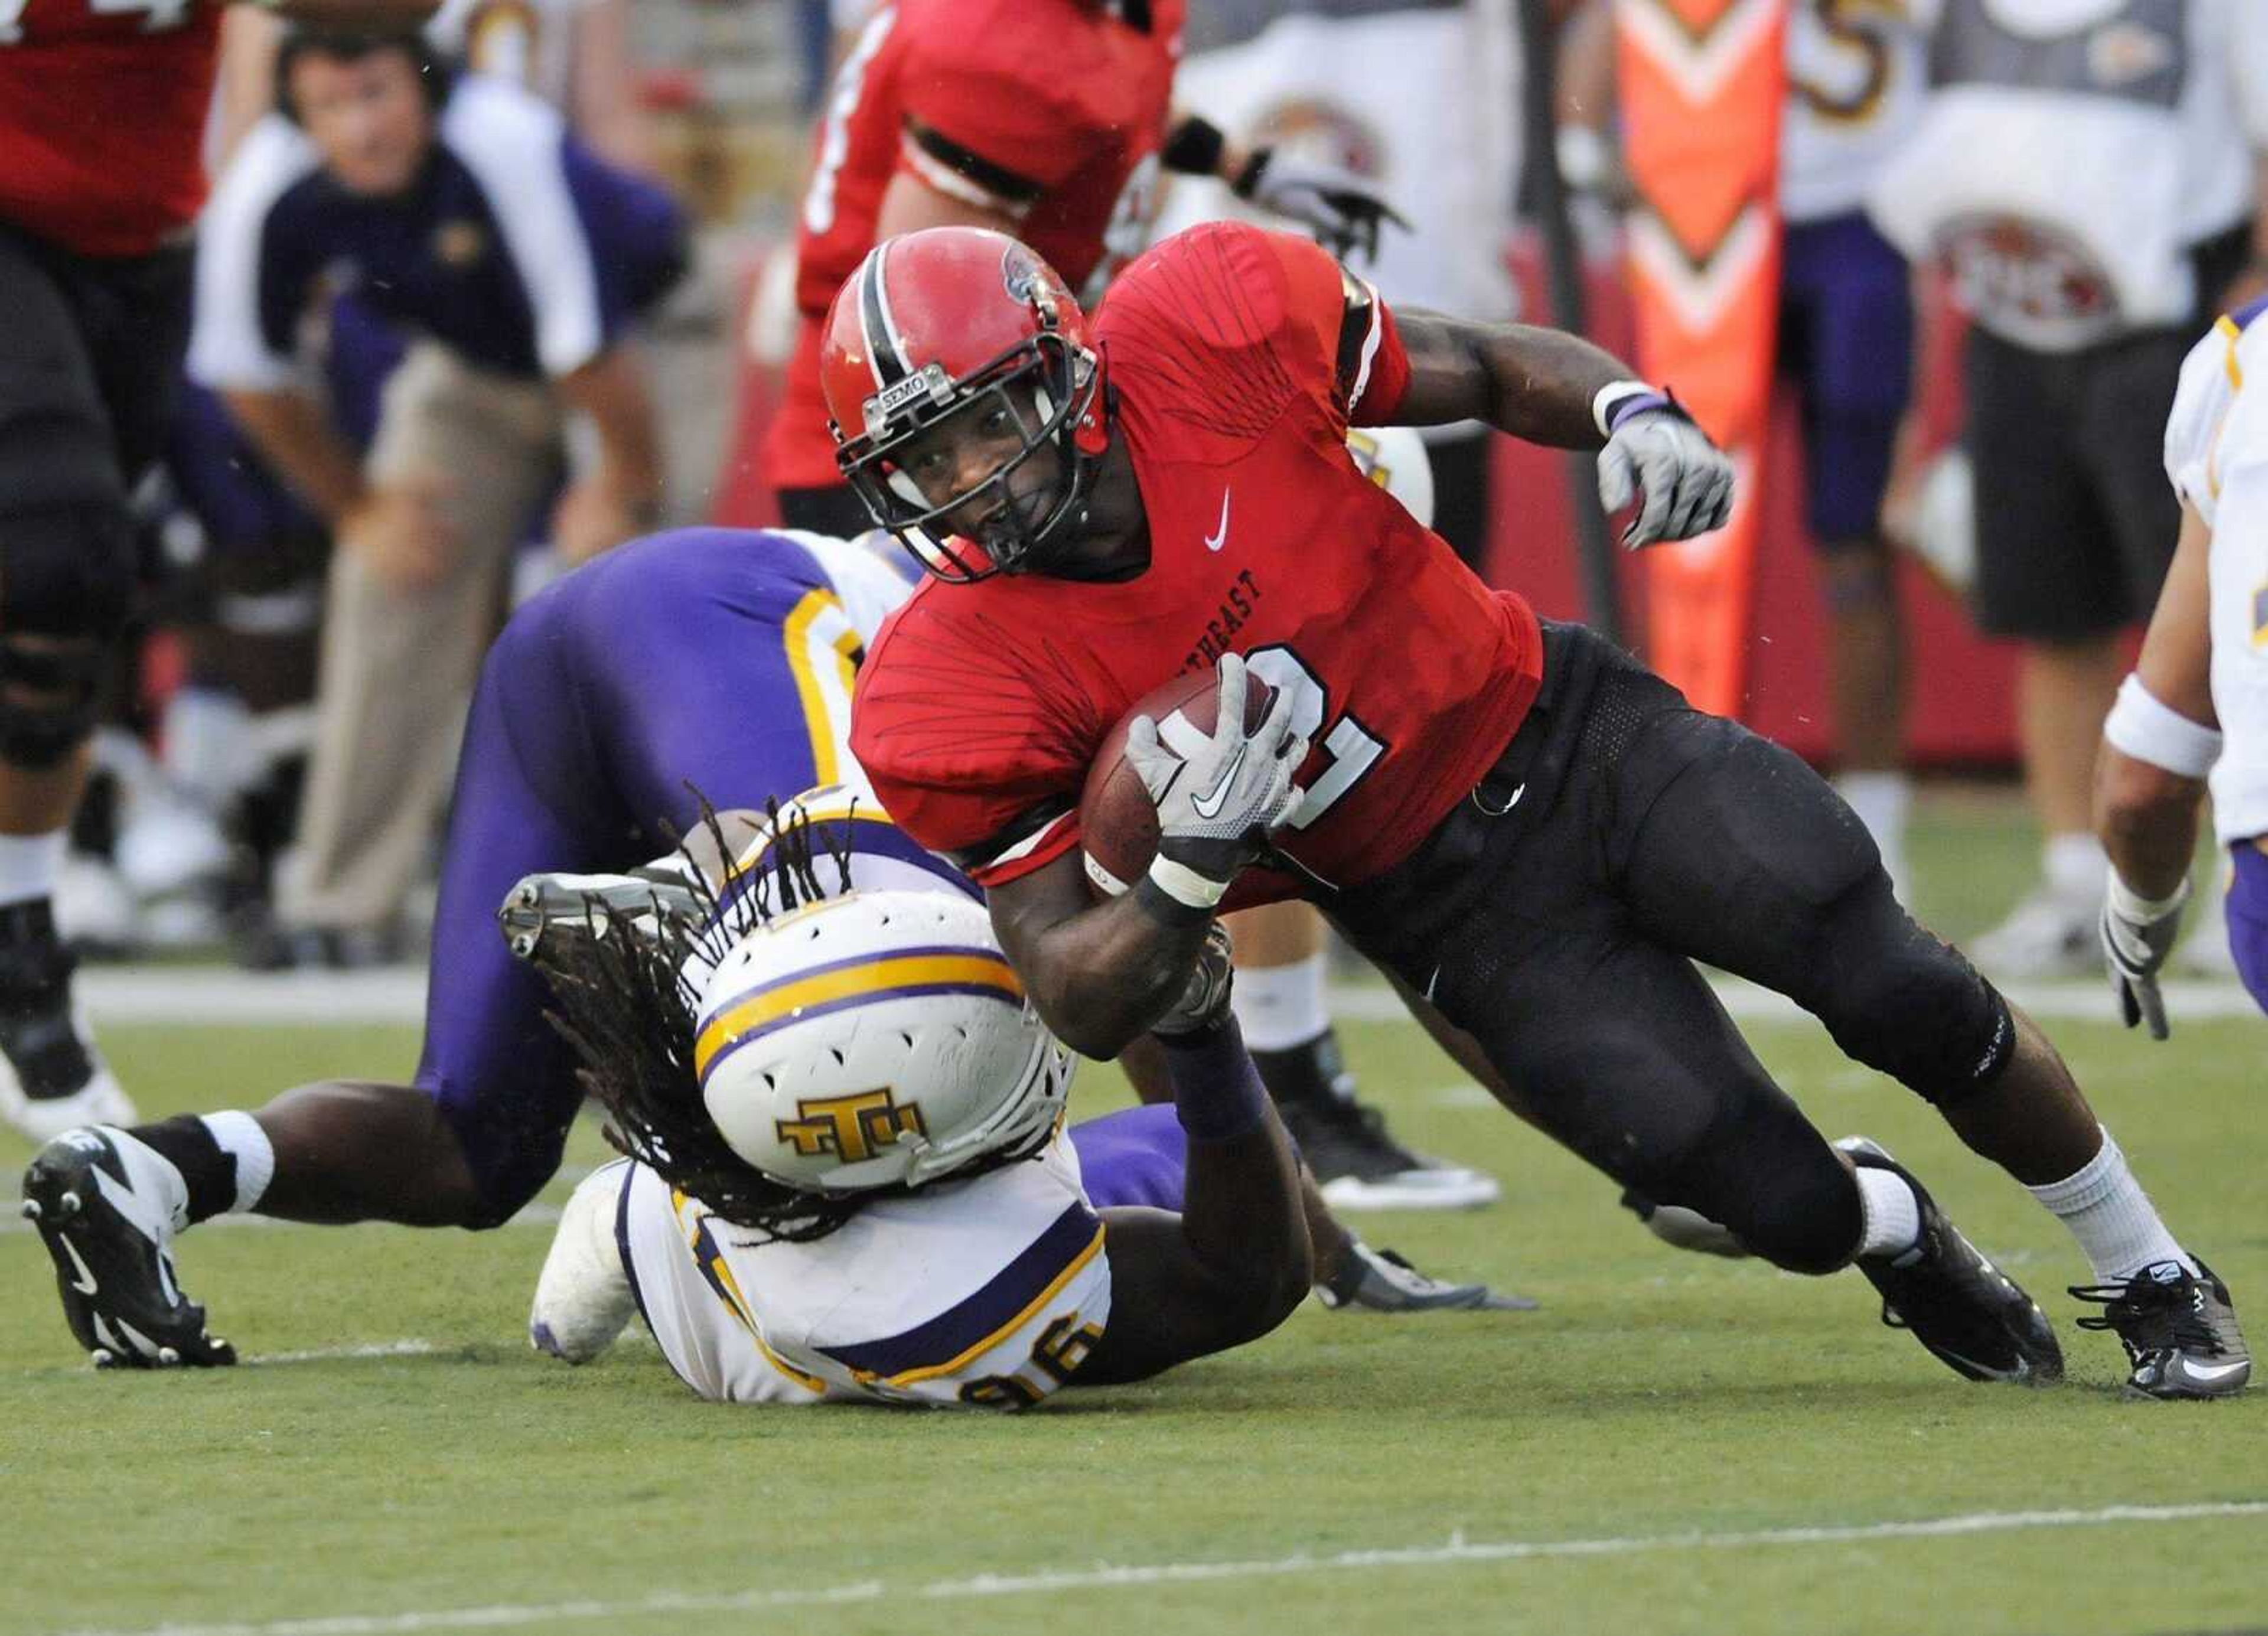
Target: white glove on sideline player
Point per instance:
(2138, 934)
(1654, 448)
(1216, 796)
(1344, 210)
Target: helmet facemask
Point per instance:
(1047, 387)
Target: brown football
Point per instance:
(1117, 820)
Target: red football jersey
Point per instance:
(102, 119)
(1049, 112)
(1238, 356)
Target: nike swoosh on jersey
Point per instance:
(1208, 805)
(1219, 536)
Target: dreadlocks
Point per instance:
(628, 1011)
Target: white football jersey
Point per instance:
(985, 1292)
(2217, 460)
(1421, 97)
(1856, 81)
(530, 41)
(2072, 151)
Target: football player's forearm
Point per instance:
(612, 390)
(1242, 1212)
(1538, 384)
(2147, 819)
(297, 439)
(1101, 977)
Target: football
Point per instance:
(1118, 821)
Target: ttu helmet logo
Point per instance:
(853, 1128)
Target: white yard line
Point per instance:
(533, 1215)
(202, 995)
(324, 1354)
(1456, 1553)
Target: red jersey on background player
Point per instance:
(1536, 835)
(1046, 114)
(102, 108)
(100, 111)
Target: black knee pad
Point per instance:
(1903, 1003)
(66, 588)
(1771, 1180)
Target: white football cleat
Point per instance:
(2047, 935)
(582, 1298)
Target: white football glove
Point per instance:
(1655, 449)
(1216, 796)
(2137, 935)
(1344, 210)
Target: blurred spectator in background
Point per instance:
(2089, 172)
(1847, 343)
(237, 732)
(464, 215)
(1855, 87)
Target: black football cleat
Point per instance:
(2179, 1330)
(1972, 1317)
(109, 1211)
(1379, 1280)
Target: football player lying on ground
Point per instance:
(1535, 834)
(850, 1176)
(708, 658)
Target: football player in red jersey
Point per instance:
(102, 110)
(1535, 834)
(1051, 119)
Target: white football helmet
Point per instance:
(875, 1039)
(1395, 459)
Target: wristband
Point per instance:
(1194, 147)
(1184, 884)
(1618, 400)
(2141, 727)
(1218, 1095)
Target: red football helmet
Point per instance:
(933, 324)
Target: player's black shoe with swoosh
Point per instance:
(108, 1208)
(1973, 1318)
(2179, 1330)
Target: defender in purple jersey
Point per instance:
(705, 663)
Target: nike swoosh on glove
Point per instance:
(1344, 210)
(1219, 796)
(1657, 450)
(2137, 935)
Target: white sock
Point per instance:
(30, 866)
(240, 1138)
(1892, 1213)
(2073, 865)
(1881, 799)
(1280, 1006)
(2112, 1216)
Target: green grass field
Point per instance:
(1671, 1444)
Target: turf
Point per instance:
(1638, 1433)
